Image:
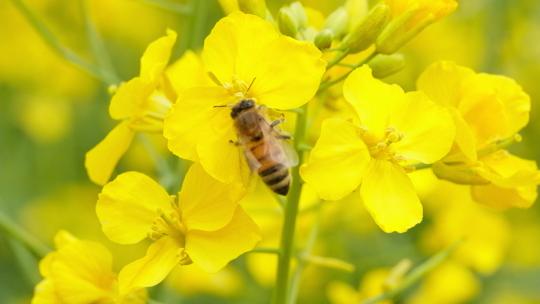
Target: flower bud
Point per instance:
(386, 65)
(337, 22)
(465, 174)
(366, 32)
(357, 10)
(292, 19)
(324, 38)
(409, 20)
(255, 7)
(287, 23)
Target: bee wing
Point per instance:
(290, 153)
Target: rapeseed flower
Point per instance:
(139, 104)
(247, 58)
(80, 271)
(203, 225)
(488, 111)
(394, 131)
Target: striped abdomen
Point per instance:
(274, 173)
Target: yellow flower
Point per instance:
(203, 225)
(396, 130)
(410, 17)
(373, 283)
(80, 272)
(488, 111)
(139, 104)
(241, 50)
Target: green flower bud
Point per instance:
(287, 23)
(255, 7)
(324, 38)
(337, 22)
(386, 65)
(299, 14)
(366, 32)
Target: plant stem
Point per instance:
(290, 214)
(97, 45)
(415, 275)
(326, 85)
(55, 44)
(16, 232)
(337, 59)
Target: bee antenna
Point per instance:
(220, 106)
(251, 84)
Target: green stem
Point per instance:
(303, 257)
(266, 250)
(415, 275)
(55, 44)
(170, 6)
(325, 85)
(337, 59)
(16, 232)
(290, 214)
(97, 45)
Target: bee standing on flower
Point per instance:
(264, 153)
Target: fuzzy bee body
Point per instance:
(264, 152)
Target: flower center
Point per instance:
(170, 225)
(152, 113)
(237, 88)
(381, 148)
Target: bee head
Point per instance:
(244, 104)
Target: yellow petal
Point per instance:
(190, 120)
(232, 47)
(229, 165)
(162, 256)
(443, 82)
(465, 140)
(44, 293)
(503, 198)
(390, 198)
(130, 97)
(156, 56)
(128, 205)
(504, 91)
(338, 160)
(82, 272)
(213, 250)
(188, 72)
(101, 160)
(277, 84)
(247, 48)
(206, 203)
(373, 100)
(428, 129)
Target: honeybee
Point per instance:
(263, 147)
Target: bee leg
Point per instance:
(277, 122)
(236, 143)
(283, 136)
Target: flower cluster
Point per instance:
(373, 138)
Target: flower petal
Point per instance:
(129, 98)
(232, 48)
(127, 206)
(229, 165)
(373, 100)
(213, 250)
(190, 120)
(188, 72)
(162, 256)
(206, 203)
(156, 56)
(389, 197)
(428, 129)
(44, 293)
(277, 82)
(338, 160)
(82, 272)
(101, 160)
(443, 82)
